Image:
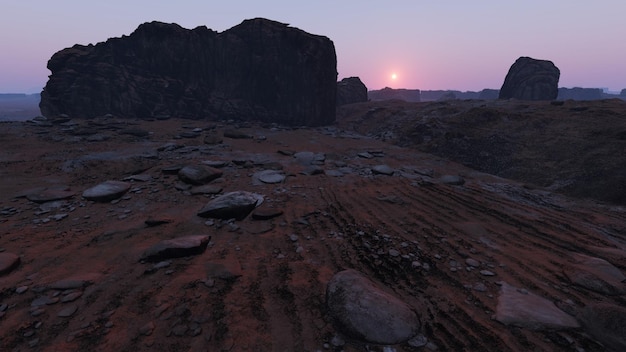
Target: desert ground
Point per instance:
(486, 263)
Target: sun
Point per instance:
(394, 76)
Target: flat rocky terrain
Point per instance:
(340, 239)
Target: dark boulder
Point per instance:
(531, 79)
(258, 70)
(351, 90)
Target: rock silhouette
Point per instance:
(351, 90)
(531, 79)
(259, 69)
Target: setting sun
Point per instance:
(394, 76)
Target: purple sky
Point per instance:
(447, 44)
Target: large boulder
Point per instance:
(531, 79)
(351, 90)
(258, 70)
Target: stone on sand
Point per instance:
(233, 205)
(199, 174)
(106, 191)
(50, 194)
(530, 311)
(270, 176)
(382, 170)
(365, 311)
(8, 262)
(176, 248)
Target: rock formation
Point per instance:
(410, 95)
(351, 90)
(531, 79)
(258, 70)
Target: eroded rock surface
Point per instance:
(531, 79)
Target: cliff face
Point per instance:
(259, 70)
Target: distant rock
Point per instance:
(258, 70)
(607, 323)
(383, 170)
(199, 174)
(578, 93)
(454, 180)
(8, 262)
(176, 248)
(363, 310)
(531, 79)
(233, 205)
(351, 90)
(106, 191)
(410, 95)
(525, 309)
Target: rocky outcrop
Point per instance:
(258, 70)
(351, 90)
(531, 79)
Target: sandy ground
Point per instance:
(260, 285)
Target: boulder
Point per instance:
(233, 205)
(176, 248)
(351, 90)
(106, 191)
(365, 311)
(258, 70)
(531, 79)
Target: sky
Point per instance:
(437, 44)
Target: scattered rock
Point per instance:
(472, 262)
(147, 329)
(199, 174)
(71, 296)
(233, 205)
(382, 170)
(157, 221)
(363, 310)
(106, 191)
(487, 273)
(50, 194)
(351, 90)
(75, 282)
(269, 176)
(68, 311)
(530, 311)
(8, 262)
(205, 189)
(176, 248)
(237, 134)
(265, 213)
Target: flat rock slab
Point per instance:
(382, 170)
(8, 262)
(106, 191)
(454, 180)
(607, 323)
(363, 310)
(233, 205)
(205, 189)
(67, 311)
(264, 213)
(596, 274)
(525, 309)
(310, 158)
(176, 248)
(50, 194)
(269, 176)
(75, 282)
(199, 174)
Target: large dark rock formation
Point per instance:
(531, 79)
(258, 70)
(351, 90)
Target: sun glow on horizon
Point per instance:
(394, 76)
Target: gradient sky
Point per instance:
(436, 44)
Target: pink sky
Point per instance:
(463, 45)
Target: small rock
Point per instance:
(147, 329)
(21, 289)
(472, 262)
(199, 174)
(452, 180)
(106, 191)
(382, 170)
(233, 205)
(487, 273)
(68, 311)
(8, 262)
(176, 248)
(71, 297)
